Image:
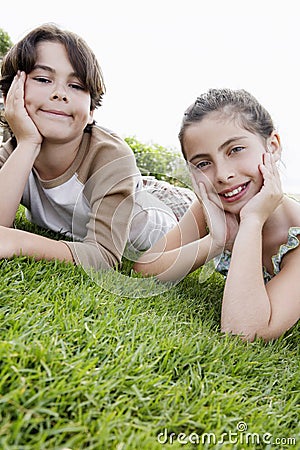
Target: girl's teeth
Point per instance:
(234, 192)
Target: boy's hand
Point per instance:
(8, 247)
(16, 114)
(263, 204)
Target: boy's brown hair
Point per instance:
(22, 56)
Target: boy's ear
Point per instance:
(91, 117)
(274, 145)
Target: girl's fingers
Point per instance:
(270, 163)
(267, 168)
(202, 191)
(272, 183)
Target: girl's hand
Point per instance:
(16, 114)
(263, 204)
(223, 226)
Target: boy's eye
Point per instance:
(42, 80)
(77, 86)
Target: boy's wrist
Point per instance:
(29, 147)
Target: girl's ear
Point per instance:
(274, 145)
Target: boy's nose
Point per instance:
(59, 95)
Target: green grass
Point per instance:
(83, 368)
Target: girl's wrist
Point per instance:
(252, 221)
(216, 247)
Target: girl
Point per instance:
(74, 177)
(241, 217)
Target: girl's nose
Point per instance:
(224, 172)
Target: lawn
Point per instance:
(84, 368)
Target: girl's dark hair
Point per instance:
(236, 104)
(22, 56)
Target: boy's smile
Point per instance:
(55, 98)
(55, 113)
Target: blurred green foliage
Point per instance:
(161, 162)
(5, 42)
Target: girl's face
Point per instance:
(226, 157)
(55, 98)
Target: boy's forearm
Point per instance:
(13, 177)
(246, 306)
(19, 242)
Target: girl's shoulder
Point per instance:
(289, 236)
(292, 211)
(292, 243)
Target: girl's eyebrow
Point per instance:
(230, 141)
(222, 146)
(200, 155)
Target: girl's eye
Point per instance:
(202, 164)
(236, 149)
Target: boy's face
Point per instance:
(55, 98)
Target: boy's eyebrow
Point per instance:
(222, 146)
(41, 66)
(51, 70)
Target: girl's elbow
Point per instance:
(137, 267)
(267, 334)
(142, 268)
(244, 334)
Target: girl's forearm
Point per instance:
(172, 265)
(246, 306)
(13, 177)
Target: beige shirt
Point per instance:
(100, 202)
(91, 202)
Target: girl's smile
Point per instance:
(226, 158)
(235, 193)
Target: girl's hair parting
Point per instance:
(237, 104)
(22, 56)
